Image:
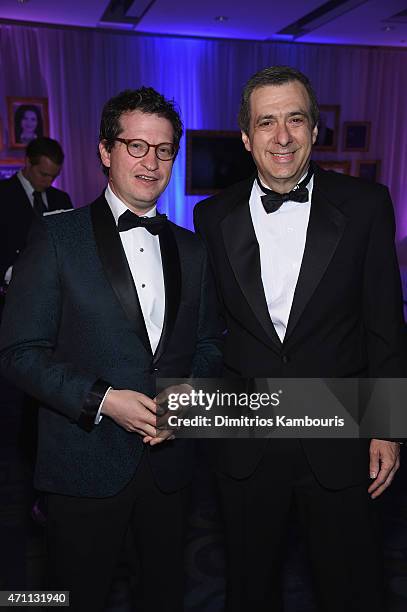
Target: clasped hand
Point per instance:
(138, 413)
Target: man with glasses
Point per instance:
(125, 297)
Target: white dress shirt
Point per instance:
(281, 236)
(29, 189)
(144, 257)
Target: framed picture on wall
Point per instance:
(343, 167)
(328, 128)
(27, 119)
(356, 135)
(368, 169)
(9, 166)
(215, 160)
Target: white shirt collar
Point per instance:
(28, 188)
(301, 179)
(118, 207)
(259, 192)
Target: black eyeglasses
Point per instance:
(165, 151)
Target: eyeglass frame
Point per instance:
(127, 141)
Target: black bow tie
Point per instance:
(154, 225)
(273, 200)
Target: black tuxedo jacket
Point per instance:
(74, 326)
(346, 317)
(17, 216)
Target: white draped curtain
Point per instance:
(78, 70)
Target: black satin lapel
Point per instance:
(172, 283)
(244, 256)
(116, 267)
(325, 228)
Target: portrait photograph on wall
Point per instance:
(343, 167)
(27, 120)
(356, 135)
(328, 128)
(368, 170)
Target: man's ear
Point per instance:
(314, 134)
(104, 155)
(246, 142)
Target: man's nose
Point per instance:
(150, 161)
(282, 135)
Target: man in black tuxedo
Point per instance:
(307, 274)
(26, 194)
(125, 297)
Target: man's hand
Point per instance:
(163, 413)
(384, 463)
(174, 390)
(167, 434)
(131, 410)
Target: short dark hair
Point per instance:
(275, 75)
(47, 147)
(145, 99)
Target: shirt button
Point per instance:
(143, 285)
(141, 250)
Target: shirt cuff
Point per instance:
(91, 405)
(99, 415)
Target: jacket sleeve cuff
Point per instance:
(91, 404)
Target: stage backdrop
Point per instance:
(78, 70)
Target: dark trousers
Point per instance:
(341, 530)
(85, 537)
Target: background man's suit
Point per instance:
(345, 320)
(80, 329)
(17, 215)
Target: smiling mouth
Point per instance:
(282, 155)
(144, 177)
